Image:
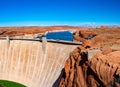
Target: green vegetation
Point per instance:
(6, 83)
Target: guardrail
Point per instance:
(38, 39)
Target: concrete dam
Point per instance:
(33, 63)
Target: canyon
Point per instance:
(95, 63)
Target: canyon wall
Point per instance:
(32, 63)
(102, 70)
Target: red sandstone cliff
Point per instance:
(108, 37)
(100, 71)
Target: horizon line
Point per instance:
(92, 24)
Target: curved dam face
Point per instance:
(32, 63)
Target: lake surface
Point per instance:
(62, 35)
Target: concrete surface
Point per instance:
(32, 63)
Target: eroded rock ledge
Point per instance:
(100, 71)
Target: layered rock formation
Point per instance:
(101, 37)
(100, 71)
(31, 30)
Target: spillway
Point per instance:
(32, 63)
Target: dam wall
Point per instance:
(32, 63)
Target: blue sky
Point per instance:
(59, 12)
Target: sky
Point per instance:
(59, 12)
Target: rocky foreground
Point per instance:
(103, 69)
(100, 71)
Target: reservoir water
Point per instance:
(61, 35)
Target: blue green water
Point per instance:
(62, 35)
